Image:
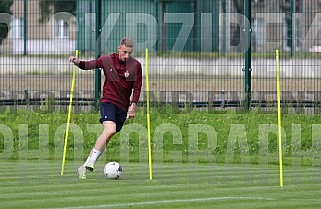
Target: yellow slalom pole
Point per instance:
(148, 117)
(69, 113)
(279, 115)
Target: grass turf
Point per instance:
(38, 184)
(26, 182)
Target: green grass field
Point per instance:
(236, 168)
(34, 184)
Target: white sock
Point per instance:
(88, 159)
(95, 154)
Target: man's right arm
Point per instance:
(74, 60)
(86, 65)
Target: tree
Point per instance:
(5, 7)
(49, 7)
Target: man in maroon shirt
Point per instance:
(123, 79)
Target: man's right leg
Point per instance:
(101, 143)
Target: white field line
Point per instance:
(170, 202)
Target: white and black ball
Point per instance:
(112, 170)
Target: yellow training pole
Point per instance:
(148, 117)
(69, 113)
(279, 115)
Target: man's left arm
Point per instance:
(136, 92)
(131, 110)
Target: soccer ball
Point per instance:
(112, 170)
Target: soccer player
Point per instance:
(123, 82)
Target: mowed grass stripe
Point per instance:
(180, 201)
(117, 187)
(79, 193)
(133, 201)
(231, 173)
(129, 196)
(85, 196)
(168, 189)
(19, 166)
(33, 168)
(233, 202)
(193, 172)
(172, 177)
(91, 200)
(15, 166)
(192, 175)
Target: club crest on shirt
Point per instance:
(126, 74)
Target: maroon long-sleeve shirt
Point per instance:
(122, 79)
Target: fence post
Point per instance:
(247, 44)
(292, 32)
(97, 52)
(225, 27)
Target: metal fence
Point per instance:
(217, 53)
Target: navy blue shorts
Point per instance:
(110, 112)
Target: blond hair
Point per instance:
(128, 42)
